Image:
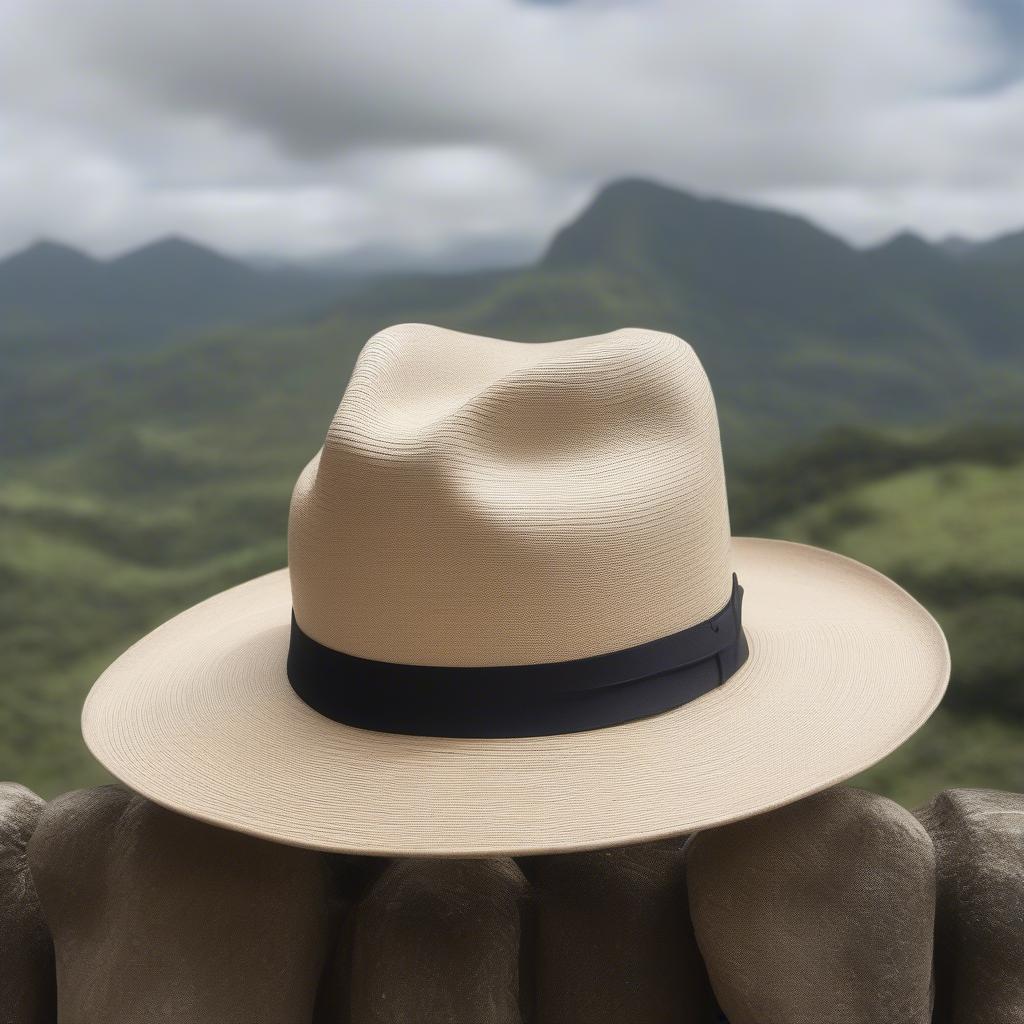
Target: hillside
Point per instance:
(1006, 249)
(71, 302)
(47, 274)
(942, 518)
(108, 570)
(156, 469)
(799, 331)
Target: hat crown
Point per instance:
(486, 502)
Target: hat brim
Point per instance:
(199, 716)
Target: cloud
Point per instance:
(318, 126)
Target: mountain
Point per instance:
(957, 245)
(708, 247)
(804, 328)
(46, 262)
(458, 257)
(799, 330)
(971, 292)
(175, 284)
(909, 249)
(1007, 250)
(159, 407)
(789, 276)
(179, 265)
(47, 274)
(51, 293)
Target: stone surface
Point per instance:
(156, 917)
(612, 939)
(979, 938)
(438, 940)
(350, 880)
(27, 983)
(821, 912)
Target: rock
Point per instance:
(979, 938)
(613, 940)
(350, 879)
(821, 912)
(28, 992)
(156, 917)
(438, 940)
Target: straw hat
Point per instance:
(515, 621)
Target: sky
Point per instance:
(443, 127)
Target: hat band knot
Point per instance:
(492, 701)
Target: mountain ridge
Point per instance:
(53, 293)
(383, 258)
(44, 249)
(142, 472)
(799, 330)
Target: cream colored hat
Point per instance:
(515, 621)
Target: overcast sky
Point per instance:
(301, 127)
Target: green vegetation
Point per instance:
(137, 479)
(82, 580)
(85, 574)
(148, 295)
(943, 518)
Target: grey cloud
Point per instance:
(419, 124)
(1005, 20)
(652, 85)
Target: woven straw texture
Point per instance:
(483, 502)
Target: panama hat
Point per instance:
(514, 620)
